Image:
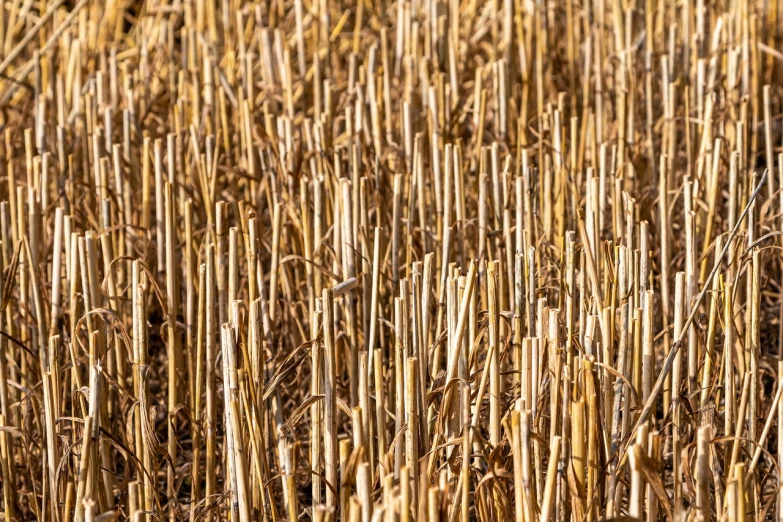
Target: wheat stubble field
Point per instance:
(377, 261)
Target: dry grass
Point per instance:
(379, 262)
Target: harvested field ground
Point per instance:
(375, 261)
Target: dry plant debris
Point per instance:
(374, 261)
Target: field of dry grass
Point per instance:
(376, 261)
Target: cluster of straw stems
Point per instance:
(388, 261)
